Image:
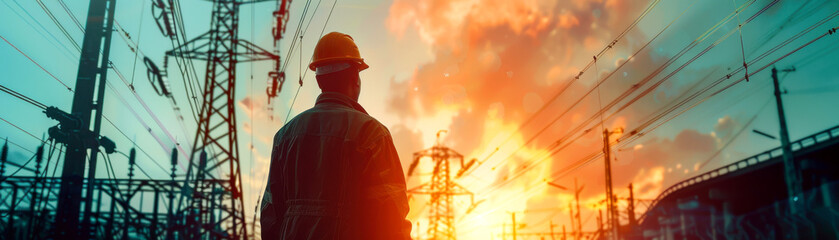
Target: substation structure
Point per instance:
(204, 202)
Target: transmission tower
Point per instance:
(442, 189)
(222, 49)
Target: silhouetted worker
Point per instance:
(335, 173)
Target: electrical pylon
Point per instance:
(442, 189)
(222, 49)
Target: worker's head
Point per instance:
(336, 63)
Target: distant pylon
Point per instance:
(441, 189)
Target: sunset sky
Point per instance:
(479, 69)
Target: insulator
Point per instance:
(174, 157)
(67, 121)
(162, 14)
(158, 82)
(413, 166)
(132, 156)
(280, 19)
(466, 167)
(202, 162)
(39, 157)
(107, 144)
(4, 154)
(275, 83)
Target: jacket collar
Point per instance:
(340, 99)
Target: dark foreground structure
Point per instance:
(748, 199)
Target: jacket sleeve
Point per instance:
(272, 208)
(387, 189)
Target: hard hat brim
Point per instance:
(358, 61)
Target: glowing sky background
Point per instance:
(478, 69)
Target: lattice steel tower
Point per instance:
(442, 189)
(216, 135)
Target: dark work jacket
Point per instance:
(334, 174)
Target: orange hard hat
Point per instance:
(336, 47)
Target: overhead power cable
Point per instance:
(42, 106)
(43, 30)
(589, 159)
(764, 67)
(36, 63)
(137, 96)
(567, 138)
(310, 60)
(585, 69)
(22, 130)
(23, 97)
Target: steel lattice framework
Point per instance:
(222, 49)
(442, 190)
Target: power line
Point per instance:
(36, 63)
(565, 138)
(23, 130)
(310, 59)
(23, 97)
(43, 106)
(72, 17)
(55, 42)
(587, 160)
(125, 81)
(564, 88)
(764, 67)
(60, 27)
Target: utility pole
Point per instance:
(570, 216)
(791, 174)
(552, 230)
(504, 231)
(514, 226)
(630, 209)
(612, 213)
(564, 234)
(88, 97)
(577, 190)
(600, 223)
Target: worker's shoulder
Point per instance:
(348, 117)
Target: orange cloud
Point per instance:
(495, 63)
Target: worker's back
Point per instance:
(334, 175)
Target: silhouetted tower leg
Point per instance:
(88, 97)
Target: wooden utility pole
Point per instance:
(552, 230)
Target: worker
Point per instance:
(334, 171)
